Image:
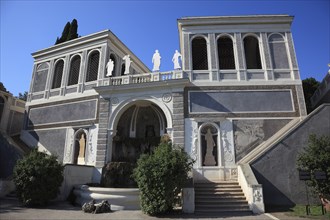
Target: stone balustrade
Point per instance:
(143, 78)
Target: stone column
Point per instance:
(102, 137)
(178, 119)
(240, 56)
(292, 56)
(268, 67)
(83, 70)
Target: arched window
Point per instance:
(58, 73)
(209, 145)
(40, 77)
(93, 66)
(226, 53)
(79, 146)
(122, 72)
(252, 53)
(278, 52)
(113, 58)
(199, 53)
(74, 70)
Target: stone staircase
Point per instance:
(220, 197)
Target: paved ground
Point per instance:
(12, 209)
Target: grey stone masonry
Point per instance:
(301, 100)
(102, 138)
(213, 47)
(239, 51)
(267, 55)
(178, 119)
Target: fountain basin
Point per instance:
(119, 198)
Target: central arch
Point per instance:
(135, 127)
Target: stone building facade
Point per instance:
(239, 86)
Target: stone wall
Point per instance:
(277, 171)
(250, 133)
(53, 140)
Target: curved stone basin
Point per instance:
(119, 198)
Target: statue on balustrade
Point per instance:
(156, 61)
(110, 67)
(176, 60)
(127, 64)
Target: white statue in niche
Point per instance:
(110, 67)
(156, 61)
(209, 159)
(82, 145)
(176, 60)
(127, 64)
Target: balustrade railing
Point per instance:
(143, 78)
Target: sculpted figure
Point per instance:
(156, 61)
(127, 64)
(110, 66)
(176, 60)
(209, 157)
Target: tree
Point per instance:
(73, 32)
(316, 157)
(309, 85)
(65, 33)
(70, 32)
(161, 177)
(23, 96)
(3, 88)
(37, 177)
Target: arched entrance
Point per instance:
(138, 131)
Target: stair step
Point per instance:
(220, 193)
(218, 190)
(220, 197)
(221, 209)
(221, 200)
(214, 202)
(218, 186)
(231, 212)
(218, 183)
(215, 197)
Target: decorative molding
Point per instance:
(257, 194)
(195, 144)
(227, 140)
(114, 101)
(167, 97)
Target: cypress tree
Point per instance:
(65, 32)
(57, 41)
(73, 30)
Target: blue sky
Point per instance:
(29, 26)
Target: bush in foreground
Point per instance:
(161, 177)
(37, 177)
(316, 157)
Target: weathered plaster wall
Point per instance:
(52, 139)
(250, 133)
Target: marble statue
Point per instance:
(156, 61)
(127, 64)
(110, 67)
(176, 60)
(209, 157)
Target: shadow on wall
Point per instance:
(8, 158)
(274, 199)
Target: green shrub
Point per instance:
(316, 157)
(118, 174)
(37, 177)
(161, 177)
